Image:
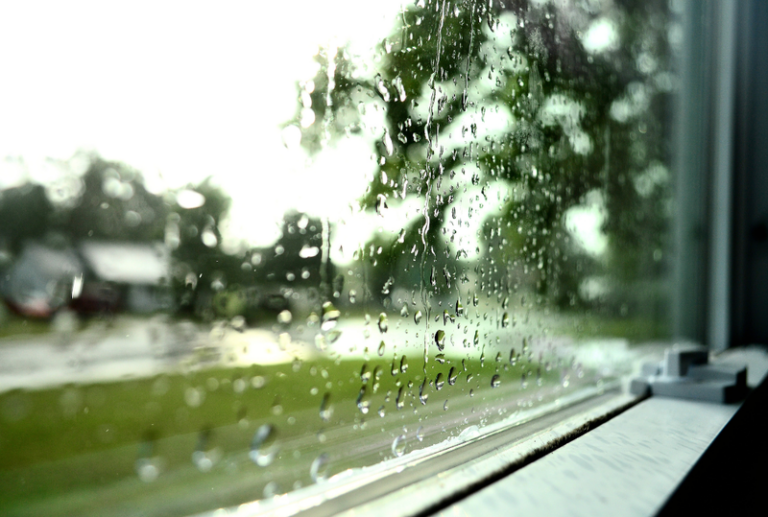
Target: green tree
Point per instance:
(25, 213)
(115, 205)
(582, 120)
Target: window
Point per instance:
(247, 249)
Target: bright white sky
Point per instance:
(184, 90)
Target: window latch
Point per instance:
(686, 373)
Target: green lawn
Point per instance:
(12, 325)
(78, 449)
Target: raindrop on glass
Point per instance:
(363, 401)
(383, 323)
(423, 397)
(263, 446)
(398, 446)
(452, 376)
(440, 339)
(439, 382)
(326, 409)
(319, 469)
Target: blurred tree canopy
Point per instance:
(110, 202)
(25, 213)
(581, 122)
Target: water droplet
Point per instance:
(385, 289)
(330, 316)
(264, 446)
(439, 382)
(194, 396)
(382, 412)
(400, 89)
(284, 317)
(440, 339)
(459, 308)
(476, 339)
(400, 400)
(387, 141)
(209, 238)
(475, 301)
(495, 381)
(319, 469)
(363, 401)
(417, 317)
(148, 469)
(326, 409)
(452, 376)
(204, 457)
(423, 397)
(382, 88)
(381, 204)
(383, 324)
(338, 286)
(440, 358)
(270, 489)
(382, 347)
(505, 320)
(420, 434)
(404, 311)
(398, 445)
(403, 364)
(447, 275)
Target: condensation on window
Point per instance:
(246, 249)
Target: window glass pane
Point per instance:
(246, 248)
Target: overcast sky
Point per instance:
(181, 91)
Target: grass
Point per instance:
(78, 449)
(589, 326)
(12, 325)
(74, 449)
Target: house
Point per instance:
(94, 277)
(126, 276)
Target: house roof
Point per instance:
(128, 263)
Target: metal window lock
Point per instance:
(686, 373)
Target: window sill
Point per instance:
(631, 465)
(608, 455)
